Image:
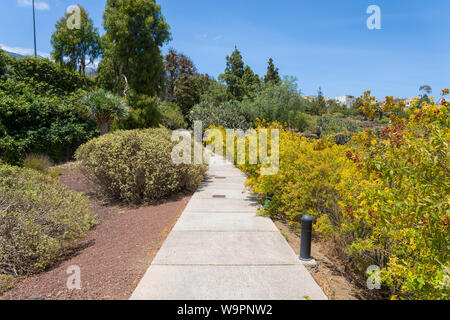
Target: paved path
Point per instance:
(221, 250)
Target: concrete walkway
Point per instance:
(221, 250)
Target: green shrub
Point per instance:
(172, 117)
(331, 125)
(342, 138)
(280, 103)
(303, 122)
(54, 125)
(136, 166)
(55, 172)
(12, 150)
(40, 110)
(143, 114)
(216, 94)
(228, 115)
(52, 76)
(37, 162)
(6, 282)
(39, 218)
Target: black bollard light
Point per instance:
(305, 246)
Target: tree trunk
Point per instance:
(104, 128)
(83, 68)
(119, 87)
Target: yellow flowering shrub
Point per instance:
(305, 182)
(384, 197)
(368, 105)
(400, 213)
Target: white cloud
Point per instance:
(217, 38)
(39, 5)
(23, 51)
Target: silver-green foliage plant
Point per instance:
(39, 220)
(276, 102)
(228, 115)
(136, 166)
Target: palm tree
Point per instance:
(104, 107)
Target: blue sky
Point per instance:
(324, 43)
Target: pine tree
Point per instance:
(250, 80)
(233, 75)
(235, 64)
(319, 104)
(272, 75)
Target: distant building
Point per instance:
(346, 100)
(407, 102)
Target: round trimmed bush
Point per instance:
(39, 219)
(136, 166)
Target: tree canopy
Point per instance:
(183, 85)
(135, 32)
(177, 67)
(71, 46)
